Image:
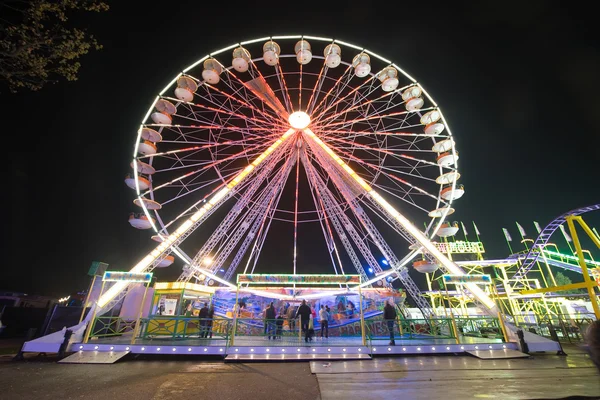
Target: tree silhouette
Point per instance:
(37, 46)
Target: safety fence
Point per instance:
(564, 328)
(256, 331)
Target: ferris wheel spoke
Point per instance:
(338, 88)
(387, 95)
(284, 89)
(381, 168)
(373, 117)
(223, 111)
(405, 195)
(316, 89)
(352, 145)
(244, 101)
(250, 150)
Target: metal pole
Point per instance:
(91, 322)
(137, 321)
(452, 315)
(236, 310)
(87, 298)
(582, 264)
(362, 316)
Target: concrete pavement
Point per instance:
(441, 377)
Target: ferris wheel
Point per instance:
(247, 125)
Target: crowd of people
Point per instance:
(304, 314)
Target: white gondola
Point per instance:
(439, 212)
(389, 79)
(241, 59)
(333, 55)
(434, 129)
(212, 70)
(142, 181)
(448, 178)
(186, 87)
(271, 51)
(446, 159)
(147, 148)
(443, 146)
(164, 111)
(140, 221)
(446, 230)
(303, 52)
(165, 262)
(448, 193)
(143, 168)
(149, 204)
(151, 135)
(412, 98)
(362, 65)
(425, 267)
(431, 117)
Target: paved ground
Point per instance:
(442, 377)
(459, 377)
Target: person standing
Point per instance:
(324, 321)
(304, 312)
(389, 315)
(209, 322)
(291, 317)
(202, 316)
(270, 316)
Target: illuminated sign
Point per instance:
(460, 247)
(118, 276)
(277, 279)
(458, 279)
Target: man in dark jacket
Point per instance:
(270, 316)
(304, 312)
(209, 322)
(389, 315)
(203, 315)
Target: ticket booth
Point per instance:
(175, 309)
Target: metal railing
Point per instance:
(564, 328)
(183, 327)
(112, 326)
(435, 328)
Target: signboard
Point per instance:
(97, 268)
(460, 247)
(277, 279)
(118, 276)
(459, 279)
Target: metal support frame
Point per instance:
(401, 271)
(337, 165)
(220, 232)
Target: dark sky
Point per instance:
(518, 83)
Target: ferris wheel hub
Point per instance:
(299, 120)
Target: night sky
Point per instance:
(518, 83)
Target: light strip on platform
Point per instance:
(187, 224)
(406, 224)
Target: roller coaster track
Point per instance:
(544, 237)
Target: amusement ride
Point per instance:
(294, 130)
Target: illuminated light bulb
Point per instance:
(299, 120)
